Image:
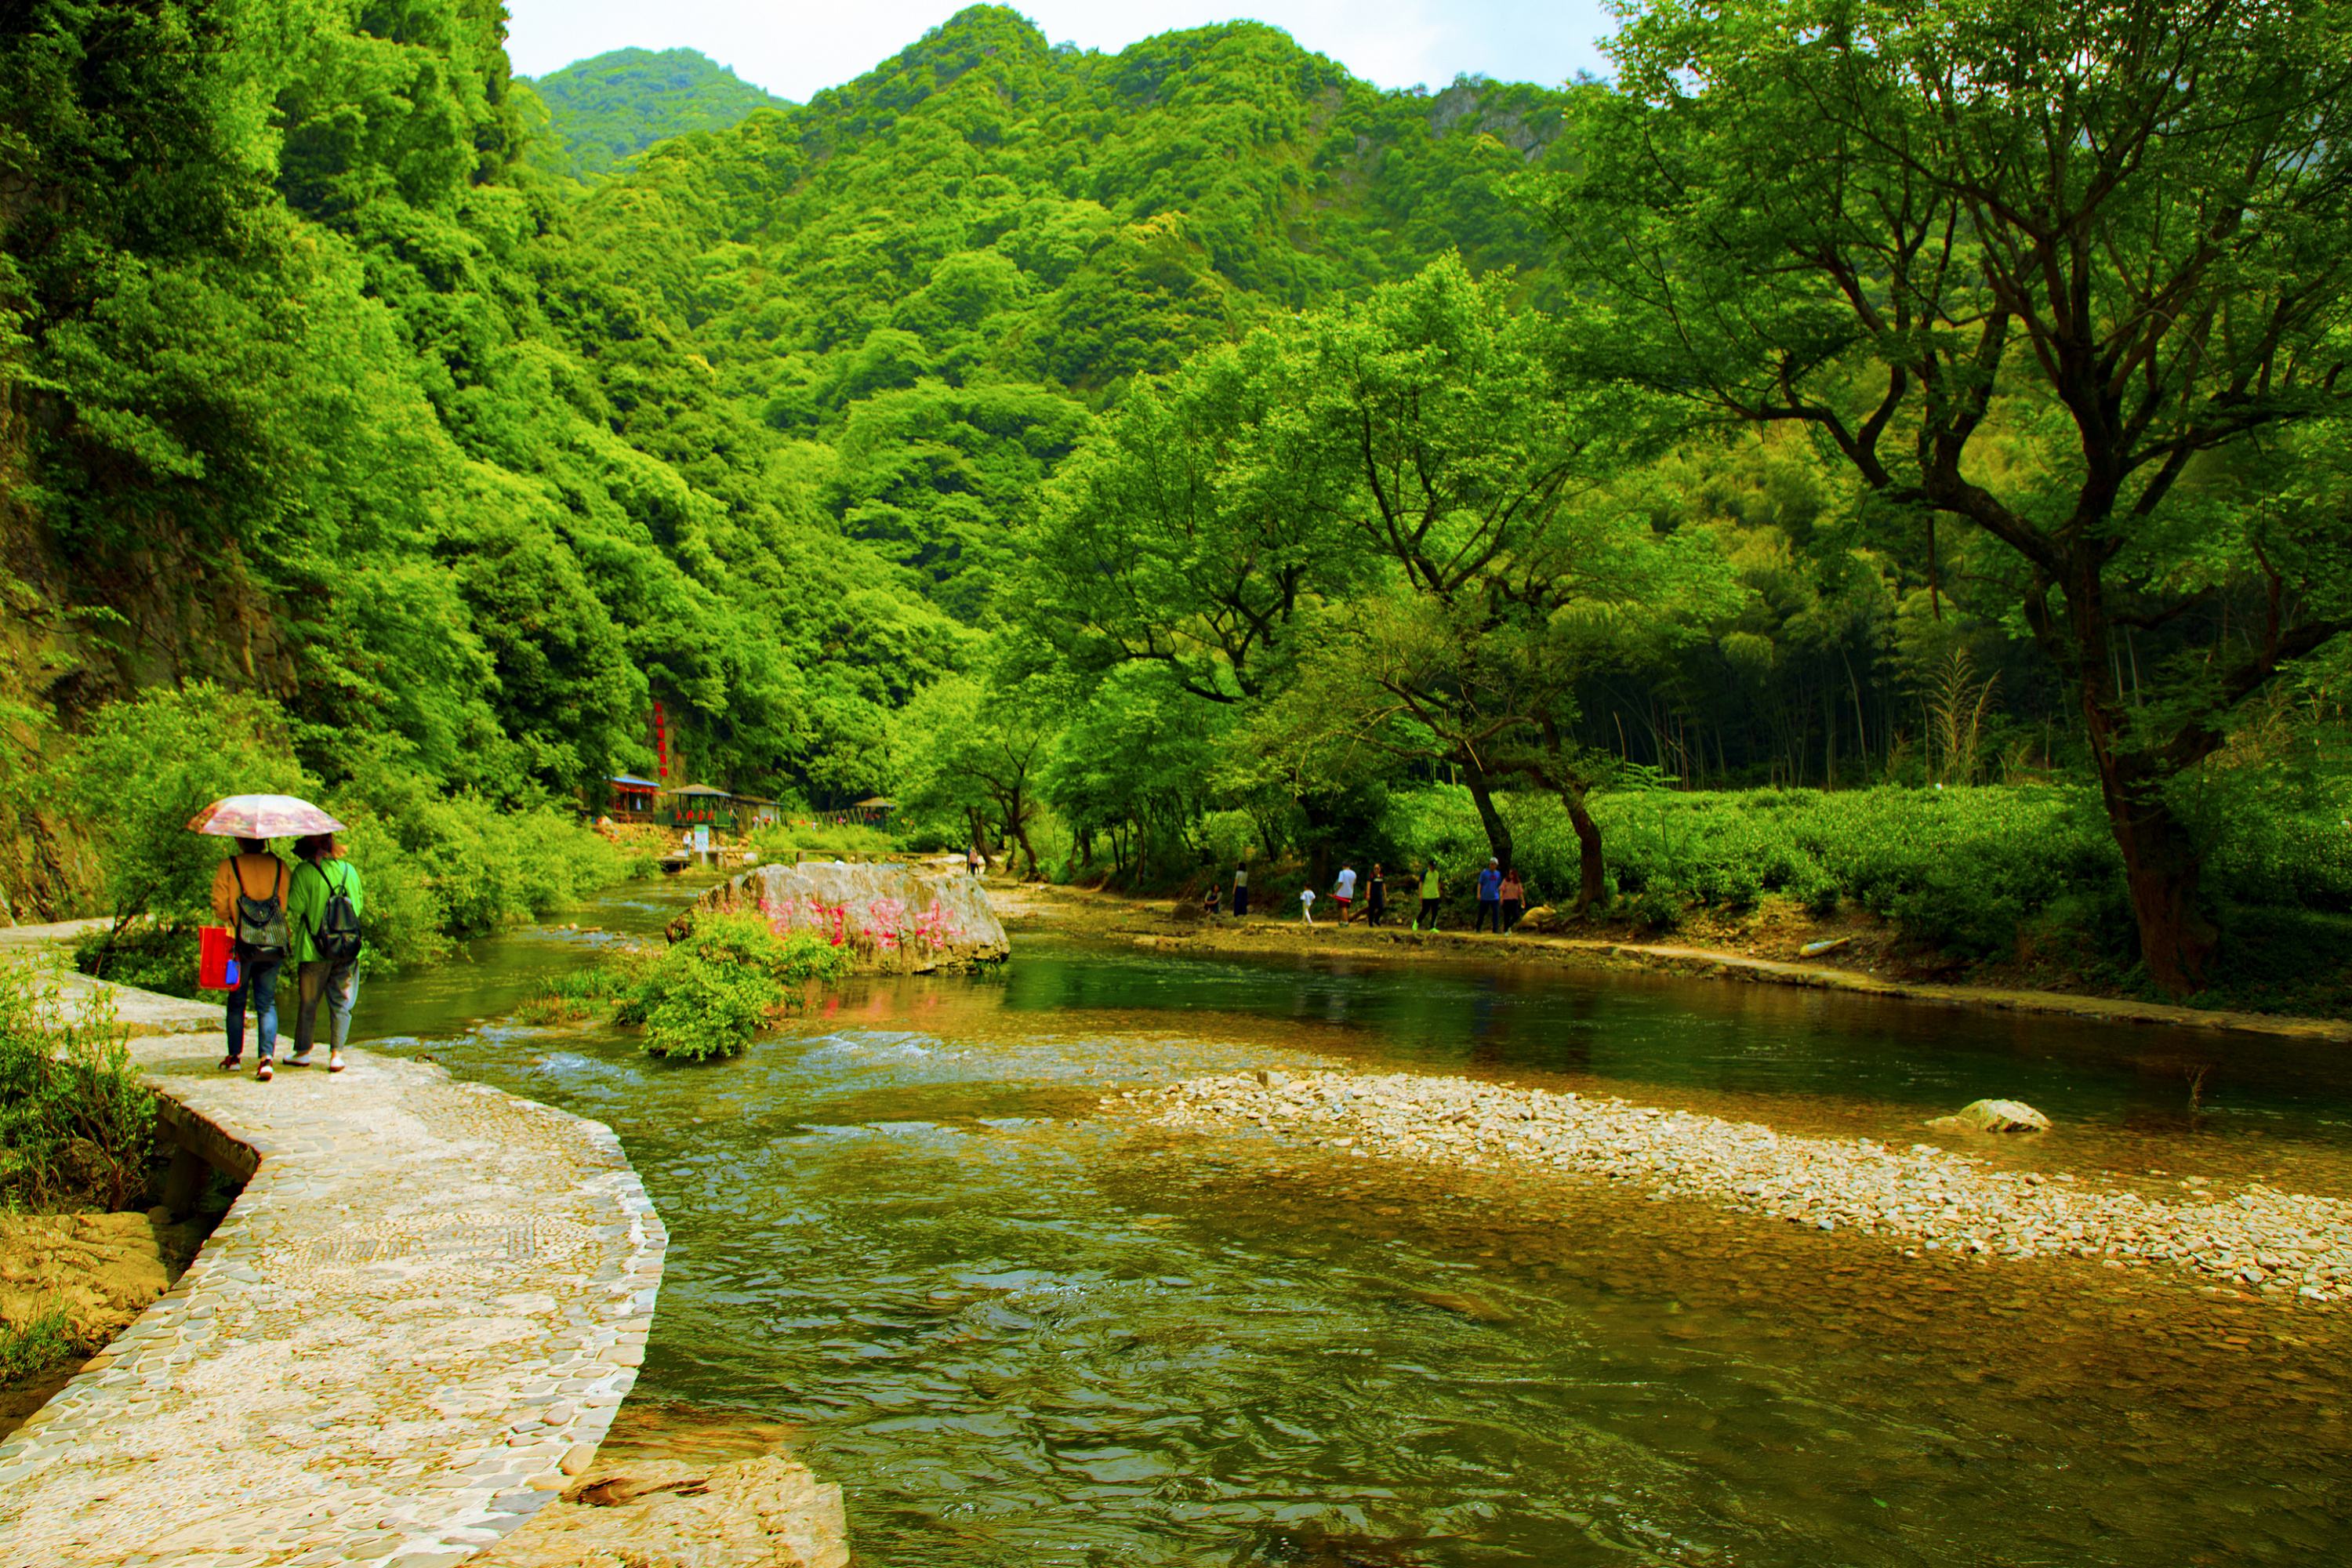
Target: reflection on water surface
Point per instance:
(1016, 1330)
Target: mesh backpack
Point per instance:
(338, 936)
(260, 922)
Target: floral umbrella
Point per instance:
(261, 816)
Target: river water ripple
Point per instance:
(1016, 1330)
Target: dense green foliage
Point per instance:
(729, 978)
(603, 111)
(77, 1126)
(439, 867)
(1196, 450)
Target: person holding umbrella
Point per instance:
(249, 894)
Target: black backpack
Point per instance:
(337, 937)
(260, 922)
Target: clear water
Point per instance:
(1017, 1330)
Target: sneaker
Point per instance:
(263, 1072)
(231, 1062)
(334, 1061)
(299, 1060)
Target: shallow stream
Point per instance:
(1017, 1330)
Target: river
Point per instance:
(1018, 1331)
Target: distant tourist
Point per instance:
(1343, 892)
(1307, 905)
(1490, 897)
(1376, 896)
(1240, 888)
(249, 897)
(1515, 898)
(1429, 895)
(1210, 900)
(323, 909)
(973, 860)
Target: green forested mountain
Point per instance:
(317, 387)
(1193, 446)
(604, 111)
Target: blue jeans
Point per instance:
(259, 978)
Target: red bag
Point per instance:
(215, 959)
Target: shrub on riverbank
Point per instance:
(34, 1347)
(75, 1124)
(723, 982)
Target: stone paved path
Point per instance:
(419, 1316)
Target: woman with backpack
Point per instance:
(249, 896)
(324, 912)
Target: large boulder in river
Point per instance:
(895, 919)
(1993, 1116)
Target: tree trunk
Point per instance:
(2162, 860)
(2163, 864)
(1498, 832)
(1592, 887)
(1020, 836)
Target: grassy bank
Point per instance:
(2019, 881)
(76, 1136)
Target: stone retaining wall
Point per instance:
(416, 1320)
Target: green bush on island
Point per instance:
(723, 982)
(77, 1127)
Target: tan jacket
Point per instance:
(258, 871)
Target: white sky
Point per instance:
(794, 48)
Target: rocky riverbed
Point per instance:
(1923, 1197)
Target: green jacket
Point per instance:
(306, 902)
(1429, 883)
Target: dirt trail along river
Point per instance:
(1016, 1327)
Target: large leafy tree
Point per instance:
(2041, 270)
(1197, 526)
(1479, 483)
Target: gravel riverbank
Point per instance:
(1924, 1197)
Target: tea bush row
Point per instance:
(1972, 871)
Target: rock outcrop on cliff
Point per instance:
(895, 919)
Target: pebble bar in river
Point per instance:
(2282, 1244)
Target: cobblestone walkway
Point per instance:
(420, 1315)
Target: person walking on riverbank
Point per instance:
(1343, 892)
(1490, 897)
(1429, 895)
(1515, 899)
(1241, 890)
(1376, 896)
(249, 897)
(323, 908)
(1307, 905)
